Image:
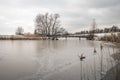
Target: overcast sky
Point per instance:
(75, 15)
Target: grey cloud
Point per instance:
(75, 14)
(101, 3)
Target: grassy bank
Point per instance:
(20, 37)
(111, 38)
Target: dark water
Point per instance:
(54, 60)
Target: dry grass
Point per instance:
(20, 37)
(111, 38)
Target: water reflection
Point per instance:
(51, 60)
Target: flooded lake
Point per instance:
(55, 60)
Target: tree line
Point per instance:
(105, 30)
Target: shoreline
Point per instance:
(113, 73)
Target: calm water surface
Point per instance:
(54, 60)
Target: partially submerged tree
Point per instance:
(62, 32)
(19, 31)
(47, 24)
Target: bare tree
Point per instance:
(19, 31)
(62, 31)
(47, 25)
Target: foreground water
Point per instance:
(55, 60)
